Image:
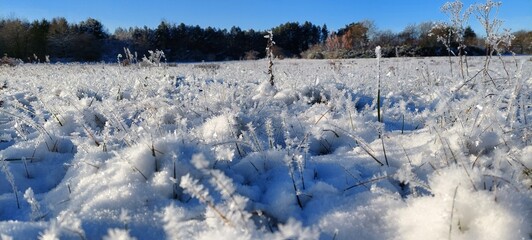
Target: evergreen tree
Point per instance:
(38, 38)
(162, 36)
(324, 33)
(470, 37)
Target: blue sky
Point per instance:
(259, 15)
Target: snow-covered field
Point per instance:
(207, 151)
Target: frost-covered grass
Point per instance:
(212, 151)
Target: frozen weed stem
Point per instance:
(269, 53)
(232, 212)
(495, 41)
(34, 204)
(10, 179)
(378, 56)
(458, 20)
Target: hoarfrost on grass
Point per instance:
(201, 153)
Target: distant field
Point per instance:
(212, 151)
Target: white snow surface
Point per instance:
(212, 151)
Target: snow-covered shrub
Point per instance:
(129, 58)
(9, 61)
(314, 94)
(153, 59)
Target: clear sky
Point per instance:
(257, 14)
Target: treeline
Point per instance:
(193, 43)
(425, 39)
(59, 40)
